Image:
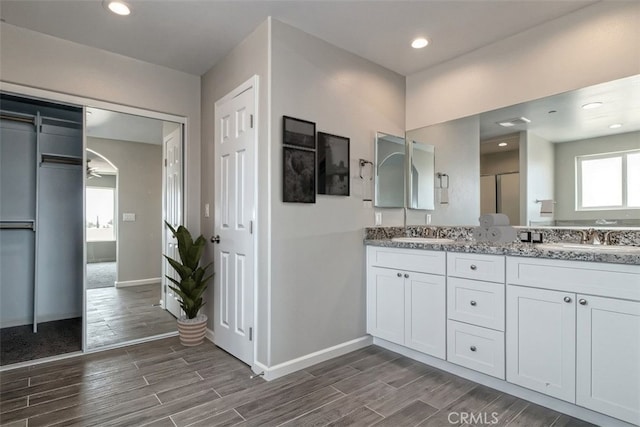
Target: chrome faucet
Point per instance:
(590, 237)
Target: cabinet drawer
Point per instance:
(592, 278)
(474, 266)
(421, 261)
(476, 302)
(476, 348)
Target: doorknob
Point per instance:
(215, 239)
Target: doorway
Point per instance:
(126, 205)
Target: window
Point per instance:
(608, 181)
(100, 214)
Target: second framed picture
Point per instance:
(333, 165)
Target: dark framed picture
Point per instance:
(298, 132)
(299, 175)
(333, 164)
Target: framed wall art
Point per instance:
(333, 165)
(299, 175)
(297, 132)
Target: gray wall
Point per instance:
(497, 163)
(140, 192)
(247, 59)
(457, 153)
(547, 59)
(565, 184)
(317, 255)
(40, 61)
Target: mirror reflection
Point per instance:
(389, 171)
(571, 159)
(421, 176)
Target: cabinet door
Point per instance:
(608, 347)
(425, 313)
(541, 341)
(385, 304)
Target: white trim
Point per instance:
(209, 334)
(140, 282)
(285, 368)
(501, 385)
(88, 351)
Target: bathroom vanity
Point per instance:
(557, 327)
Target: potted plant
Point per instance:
(192, 284)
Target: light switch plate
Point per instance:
(206, 210)
(128, 217)
(378, 220)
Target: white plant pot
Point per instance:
(192, 331)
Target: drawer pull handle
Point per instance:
(399, 274)
(472, 348)
(406, 276)
(473, 303)
(473, 267)
(582, 301)
(567, 299)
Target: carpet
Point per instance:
(20, 344)
(101, 275)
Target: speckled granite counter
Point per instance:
(381, 236)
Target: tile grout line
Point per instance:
(243, 418)
(315, 409)
(518, 414)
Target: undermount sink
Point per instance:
(428, 240)
(589, 248)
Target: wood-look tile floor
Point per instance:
(163, 384)
(118, 315)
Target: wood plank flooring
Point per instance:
(118, 315)
(163, 384)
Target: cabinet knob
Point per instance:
(473, 303)
(567, 299)
(582, 301)
(406, 276)
(473, 267)
(472, 348)
(399, 274)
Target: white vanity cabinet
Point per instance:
(406, 298)
(573, 332)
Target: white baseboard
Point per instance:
(140, 282)
(209, 334)
(501, 385)
(282, 369)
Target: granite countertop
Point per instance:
(531, 250)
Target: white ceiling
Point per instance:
(192, 36)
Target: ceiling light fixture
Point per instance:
(615, 126)
(118, 7)
(502, 144)
(419, 43)
(513, 122)
(592, 105)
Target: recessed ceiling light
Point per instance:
(118, 7)
(419, 43)
(592, 105)
(615, 126)
(502, 144)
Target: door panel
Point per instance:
(173, 213)
(235, 196)
(386, 304)
(425, 317)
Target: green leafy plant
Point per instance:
(192, 282)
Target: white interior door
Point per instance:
(235, 199)
(173, 213)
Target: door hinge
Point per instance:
(250, 334)
(251, 121)
(165, 163)
(250, 227)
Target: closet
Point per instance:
(41, 226)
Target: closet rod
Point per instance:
(61, 160)
(17, 225)
(17, 118)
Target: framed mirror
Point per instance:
(390, 164)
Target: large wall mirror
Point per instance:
(404, 173)
(571, 159)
